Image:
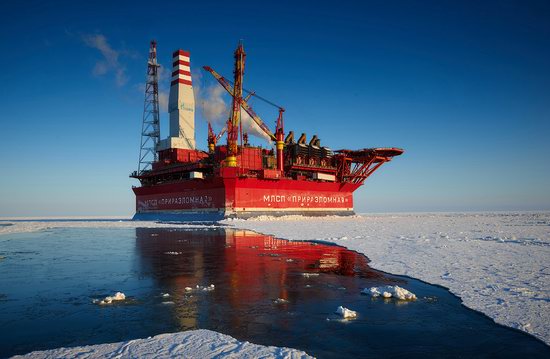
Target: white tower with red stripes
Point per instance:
(181, 104)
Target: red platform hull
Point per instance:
(233, 196)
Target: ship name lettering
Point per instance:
(201, 200)
(274, 198)
(148, 203)
(316, 199)
(307, 199)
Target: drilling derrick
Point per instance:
(234, 122)
(150, 129)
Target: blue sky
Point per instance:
(463, 87)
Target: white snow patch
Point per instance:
(280, 301)
(497, 263)
(346, 313)
(390, 291)
(209, 288)
(204, 344)
(117, 297)
(35, 225)
(200, 288)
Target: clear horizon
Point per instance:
(463, 88)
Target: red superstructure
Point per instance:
(240, 180)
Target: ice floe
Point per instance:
(204, 344)
(280, 301)
(346, 313)
(200, 288)
(117, 297)
(390, 291)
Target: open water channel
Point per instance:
(266, 290)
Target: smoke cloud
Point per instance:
(110, 61)
(251, 127)
(213, 106)
(163, 100)
(216, 110)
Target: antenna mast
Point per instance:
(150, 129)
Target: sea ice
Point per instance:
(280, 301)
(497, 250)
(209, 288)
(204, 344)
(346, 313)
(390, 291)
(34, 225)
(119, 296)
(465, 252)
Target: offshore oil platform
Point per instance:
(235, 179)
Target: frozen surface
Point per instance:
(390, 291)
(20, 225)
(191, 344)
(497, 263)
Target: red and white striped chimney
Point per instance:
(181, 103)
(181, 70)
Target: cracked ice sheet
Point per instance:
(191, 344)
(497, 263)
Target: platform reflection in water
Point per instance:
(266, 291)
(277, 292)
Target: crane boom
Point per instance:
(224, 130)
(227, 86)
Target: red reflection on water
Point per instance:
(253, 258)
(249, 271)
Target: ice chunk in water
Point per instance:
(119, 296)
(390, 291)
(346, 313)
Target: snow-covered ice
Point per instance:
(117, 297)
(346, 313)
(390, 291)
(191, 344)
(19, 226)
(497, 263)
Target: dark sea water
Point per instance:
(49, 279)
